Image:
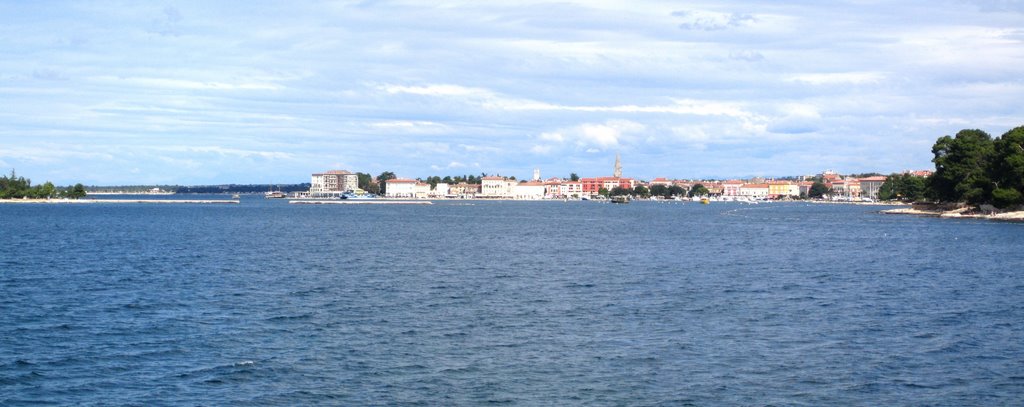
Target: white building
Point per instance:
(496, 187)
(532, 190)
(570, 189)
(731, 188)
(759, 191)
(333, 182)
(400, 188)
(441, 190)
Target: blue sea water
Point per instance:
(519, 303)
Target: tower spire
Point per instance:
(618, 167)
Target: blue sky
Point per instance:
(269, 92)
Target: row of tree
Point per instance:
(15, 187)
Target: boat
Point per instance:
(705, 201)
(620, 199)
(275, 194)
(357, 196)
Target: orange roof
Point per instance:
(877, 178)
(532, 183)
(401, 181)
(763, 186)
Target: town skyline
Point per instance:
(199, 93)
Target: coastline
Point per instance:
(961, 213)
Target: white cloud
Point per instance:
(541, 149)
(839, 78)
(184, 83)
(712, 20)
(600, 136)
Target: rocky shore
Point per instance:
(958, 213)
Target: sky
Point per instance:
(217, 92)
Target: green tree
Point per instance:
(904, 187)
(47, 190)
(602, 191)
(574, 177)
(382, 180)
(676, 190)
(699, 190)
(659, 190)
(641, 191)
(818, 189)
(1007, 169)
(620, 191)
(75, 192)
(961, 167)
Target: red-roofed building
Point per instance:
(591, 186)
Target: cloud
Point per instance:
(541, 149)
(711, 20)
(749, 56)
(48, 75)
(840, 78)
(589, 136)
(410, 126)
(491, 100)
(183, 83)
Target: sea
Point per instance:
(506, 303)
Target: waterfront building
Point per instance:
(757, 191)
(870, 186)
(591, 186)
(804, 188)
(660, 181)
(400, 188)
(422, 190)
(463, 190)
(782, 189)
(530, 190)
(333, 182)
(496, 187)
(731, 187)
(847, 188)
(570, 189)
(714, 188)
(440, 190)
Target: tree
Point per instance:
(905, 187)
(641, 191)
(699, 190)
(659, 190)
(676, 190)
(1007, 169)
(620, 191)
(962, 164)
(382, 180)
(75, 192)
(574, 177)
(47, 190)
(602, 191)
(818, 189)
